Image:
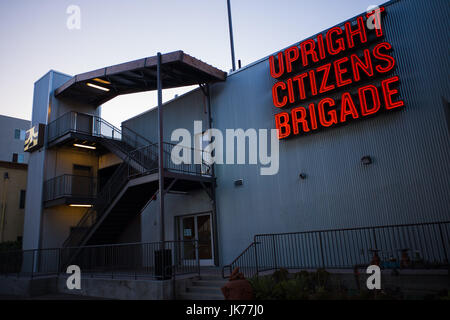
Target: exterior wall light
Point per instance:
(97, 87)
(302, 176)
(81, 205)
(84, 146)
(239, 182)
(366, 160)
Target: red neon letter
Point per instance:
(363, 102)
(282, 121)
(388, 93)
(380, 56)
(323, 85)
(376, 20)
(321, 46)
(339, 41)
(339, 71)
(312, 116)
(332, 113)
(290, 90)
(273, 73)
(301, 86)
(296, 120)
(290, 58)
(347, 101)
(360, 30)
(358, 64)
(305, 52)
(312, 81)
(276, 101)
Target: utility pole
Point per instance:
(230, 26)
(161, 146)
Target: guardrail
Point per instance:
(67, 185)
(176, 158)
(156, 260)
(423, 245)
(94, 126)
(101, 203)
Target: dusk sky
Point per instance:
(35, 38)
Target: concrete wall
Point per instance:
(8, 143)
(120, 289)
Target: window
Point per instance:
(14, 158)
(19, 134)
(22, 199)
(20, 158)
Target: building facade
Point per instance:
(368, 143)
(13, 172)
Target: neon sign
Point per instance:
(338, 77)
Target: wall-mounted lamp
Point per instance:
(239, 182)
(366, 160)
(302, 176)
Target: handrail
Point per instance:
(111, 188)
(230, 266)
(414, 245)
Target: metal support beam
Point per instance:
(170, 186)
(212, 193)
(230, 26)
(160, 148)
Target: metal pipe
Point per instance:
(160, 145)
(230, 26)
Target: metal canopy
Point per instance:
(177, 69)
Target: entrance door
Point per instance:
(199, 228)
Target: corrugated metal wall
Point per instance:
(409, 180)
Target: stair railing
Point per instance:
(93, 214)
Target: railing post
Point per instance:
(197, 257)
(443, 243)
(321, 250)
(32, 263)
(274, 252)
(374, 239)
(256, 258)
